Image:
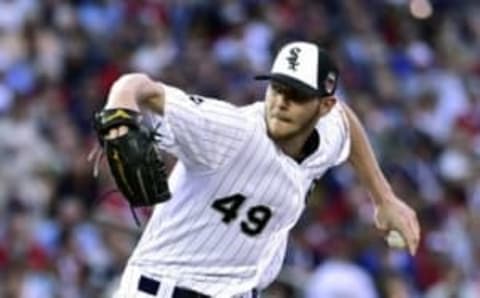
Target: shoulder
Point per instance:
(334, 131)
(254, 113)
(256, 109)
(337, 117)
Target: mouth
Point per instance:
(281, 118)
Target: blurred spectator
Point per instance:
(394, 285)
(453, 283)
(338, 276)
(413, 82)
(340, 279)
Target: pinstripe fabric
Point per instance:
(224, 151)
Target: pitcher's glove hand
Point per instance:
(135, 163)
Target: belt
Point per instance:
(152, 286)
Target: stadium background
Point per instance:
(411, 70)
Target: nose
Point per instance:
(281, 101)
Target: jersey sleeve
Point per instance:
(335, 135)
(201, 132)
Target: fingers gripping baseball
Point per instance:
(401, 223)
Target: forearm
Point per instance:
(133, 91)
(365, 163)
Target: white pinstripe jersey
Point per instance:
(235, 195)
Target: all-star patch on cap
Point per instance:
(305, 67)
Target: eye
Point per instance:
(282, 89)
(299, 97)
(290, 93)
(277, 88)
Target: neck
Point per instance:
(294, 146)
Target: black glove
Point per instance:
(135, 162)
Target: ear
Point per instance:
(326, 104)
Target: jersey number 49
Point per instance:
(256, 219)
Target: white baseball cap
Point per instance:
(306, 67)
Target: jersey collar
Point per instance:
(310, 145)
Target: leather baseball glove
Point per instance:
(135, 162)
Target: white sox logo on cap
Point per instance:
(293, 58)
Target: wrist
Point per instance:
(384, 198)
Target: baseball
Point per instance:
(395, 239)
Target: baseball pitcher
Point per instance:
(220, 226)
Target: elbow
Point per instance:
(125, 90)
(130, 81)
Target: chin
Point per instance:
(280, 132)
(277, 136)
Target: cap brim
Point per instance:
(289, 81)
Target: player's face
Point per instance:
(290, 113)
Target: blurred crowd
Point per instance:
(415, 84)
